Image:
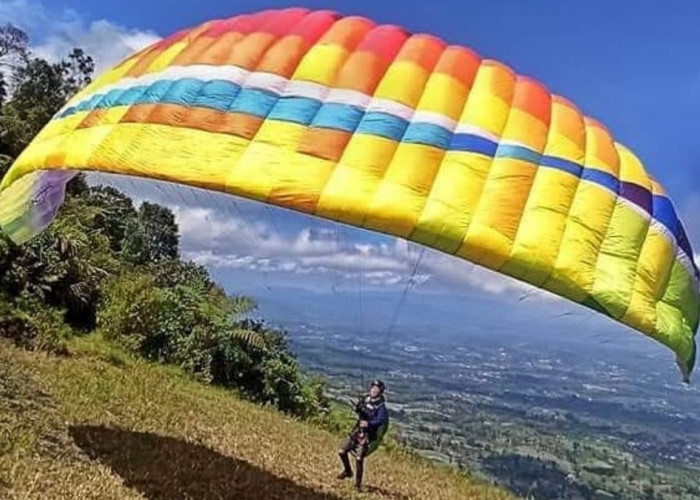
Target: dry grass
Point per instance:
(99, 424)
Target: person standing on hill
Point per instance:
(366, 435)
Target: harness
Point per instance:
(366, 409)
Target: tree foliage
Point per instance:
(152, 236)
(116, 215)
(177, 315)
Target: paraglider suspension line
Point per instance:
(409, 284)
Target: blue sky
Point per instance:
(630, 64)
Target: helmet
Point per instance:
(379, 384)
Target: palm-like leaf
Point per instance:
(80, 292)
(250, 338)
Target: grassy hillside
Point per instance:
(101, 424)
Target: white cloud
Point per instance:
(55, 33)
(212, 239)
(456, 271)
(107, 43)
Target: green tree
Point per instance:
(117, 214)
(175, 314)
(173, 272)
(63, 266)
(153, 236)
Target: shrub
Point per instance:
(31, 325)
(181, 317)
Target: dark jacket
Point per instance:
(373, 411)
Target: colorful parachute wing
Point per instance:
(386, 130)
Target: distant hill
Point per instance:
(100, 424)
(457, 318)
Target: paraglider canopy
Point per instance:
(398, 133)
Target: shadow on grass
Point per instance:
(161, 467)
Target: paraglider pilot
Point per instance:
(367, 433)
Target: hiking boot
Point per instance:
(344, 475)
(358, 488)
